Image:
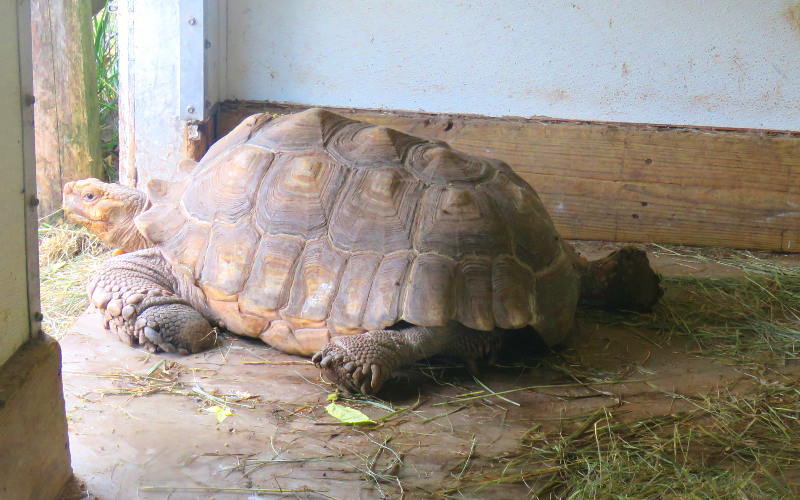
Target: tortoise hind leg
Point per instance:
(623, 280)
(135, 292)
(363, 362)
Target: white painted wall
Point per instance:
(16, 145)
(724, 63)
(728, 63)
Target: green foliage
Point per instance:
(104, 27)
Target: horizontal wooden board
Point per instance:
(626, 182)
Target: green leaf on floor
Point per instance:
(347, 415)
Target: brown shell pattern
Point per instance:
(314, 220)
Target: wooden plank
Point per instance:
(627, 182)
(65, 89)
(198, 135)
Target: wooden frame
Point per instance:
(626, 182)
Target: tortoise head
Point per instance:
(107, 210)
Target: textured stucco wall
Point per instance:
(730, 63)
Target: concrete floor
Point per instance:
(136, 446)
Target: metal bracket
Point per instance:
(191, 74)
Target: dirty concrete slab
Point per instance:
(129, 440)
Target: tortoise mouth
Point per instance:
(81, 219)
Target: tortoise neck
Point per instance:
(124, 234)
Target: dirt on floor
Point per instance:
(148, 426)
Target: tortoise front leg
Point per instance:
(136, 294)
(363, 362)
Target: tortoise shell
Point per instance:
(313, 224)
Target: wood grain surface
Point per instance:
(66, 112)
(625, 182)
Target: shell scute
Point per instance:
(297, 195)
(315, 223)
(351, 300)
(536, 242)
(361, 145)
(437, 163)
(224, 190)
(304, 131)
(430, 291)
(458, 220)
(376, 211)
(474, 293)
(383, 304)
(267, 288)
(315, 284)
(228, 259)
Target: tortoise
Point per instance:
(361, 245)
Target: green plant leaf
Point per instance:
(347, 415)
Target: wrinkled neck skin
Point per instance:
(124, 235)
(119, 231)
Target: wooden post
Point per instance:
(65, 88)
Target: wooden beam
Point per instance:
(65, 89)
(626, 182)
(198, 135)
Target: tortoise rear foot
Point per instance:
(363, 362)
(622, 280)
(360, 363)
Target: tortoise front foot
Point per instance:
(136, 297)
(173, 328)
(359, 363)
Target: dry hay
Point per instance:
(749, 317)
(67, 257)
(728, 445)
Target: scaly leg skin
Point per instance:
(623, 280)
(136, 294)
(363, 362)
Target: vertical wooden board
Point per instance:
(65, 87)
(17, 303)
(628, 182)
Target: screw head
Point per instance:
(190, 109)
(37, 316)
(192, 21)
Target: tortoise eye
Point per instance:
(88, 196)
